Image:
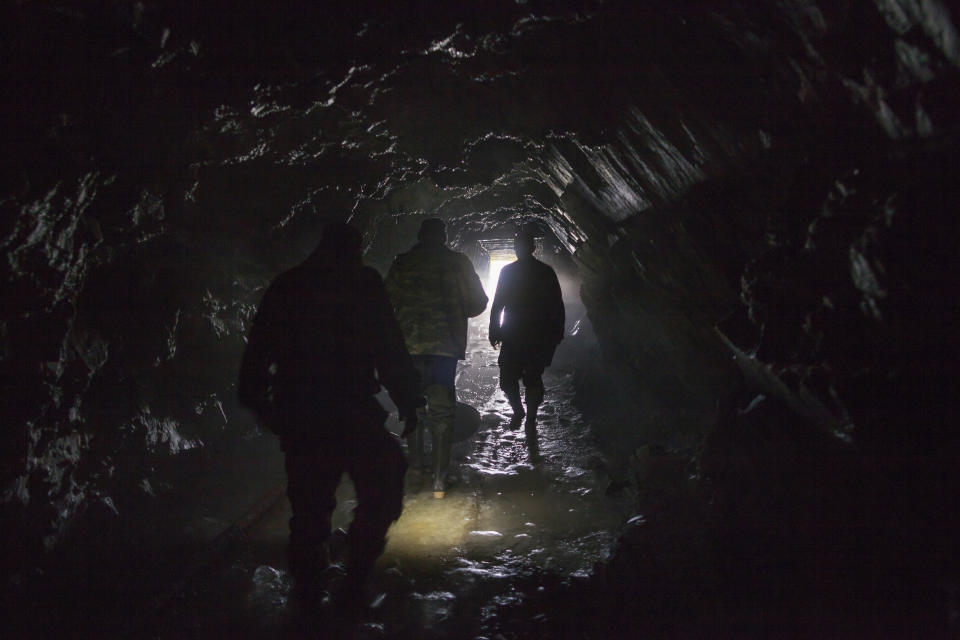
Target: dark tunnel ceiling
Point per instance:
(478, 115)
(163, 160)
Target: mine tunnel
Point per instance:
(752, 210)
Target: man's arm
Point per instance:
(392, 359)
(473, 298)
(257, 368)
(496, 310)
(392, 284)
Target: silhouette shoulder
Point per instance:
(461, 258)
(369, 277)
(369, 273)
(285, 281)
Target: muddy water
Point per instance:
(524, 513)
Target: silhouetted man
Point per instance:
(434, 290)
(528, 296)
(319, 334)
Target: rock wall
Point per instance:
(781, 169)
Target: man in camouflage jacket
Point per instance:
(434, 290)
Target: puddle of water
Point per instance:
(514, 514)
(523, 514)
(430, 529)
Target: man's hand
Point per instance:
(494, 343)
(409, 423)
(408, 416)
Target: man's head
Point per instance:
(340, 244)
(524, 244)
(433, 230)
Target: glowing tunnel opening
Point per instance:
(498, 261)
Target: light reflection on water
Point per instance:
(514, 513)
(517, 513)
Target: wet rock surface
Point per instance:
(755, 198)
(528, 513)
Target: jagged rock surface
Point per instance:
(784, 164)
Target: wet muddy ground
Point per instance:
(524, 517)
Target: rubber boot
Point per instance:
(308, 566)
(415, 443)
(518, 412)
(530, 426)
(442, 443)
(353, 595)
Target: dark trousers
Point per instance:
(510, 376)
(372, 457)
(523, 362)
(437, 379)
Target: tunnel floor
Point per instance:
(524, 516)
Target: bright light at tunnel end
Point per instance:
(496, 266)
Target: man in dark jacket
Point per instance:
(528, 297)
(320, 333)
(434, 290)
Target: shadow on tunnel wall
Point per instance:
(822, 497)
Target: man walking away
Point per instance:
(319, 334)
(528, 297)
(434, 290)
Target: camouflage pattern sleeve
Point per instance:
(390, 283)
(474, 300)
(431, 290)
(394, 366)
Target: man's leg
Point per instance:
(510, 372)
(533, 385)
(442, 404)
(441, 408)
(415, 441)
(377, 471)
(312, 480)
